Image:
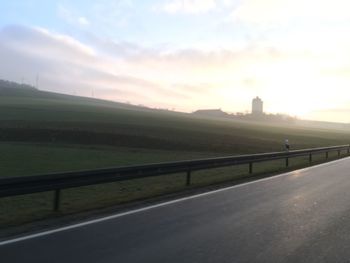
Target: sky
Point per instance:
(185, 55)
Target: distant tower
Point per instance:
(257, 106)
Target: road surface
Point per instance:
(302, 216)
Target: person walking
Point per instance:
(286, 144)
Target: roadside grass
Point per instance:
(27, 208)
(24, 159)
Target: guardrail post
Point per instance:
(188, 177)
(56, 200)
(287, 162)
(310, 158)
(250, 168)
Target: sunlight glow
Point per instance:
(187, 55)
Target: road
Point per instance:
(302, 216)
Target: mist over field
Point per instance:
(185, 55)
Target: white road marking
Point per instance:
(49, 232)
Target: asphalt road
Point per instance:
(303, 216)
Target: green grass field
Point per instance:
(92, 122)
(41, 132)
(24, 159)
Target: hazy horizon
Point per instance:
(185, 55)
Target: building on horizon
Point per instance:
(211, 113)
(257, 106)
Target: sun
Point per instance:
(293, 88)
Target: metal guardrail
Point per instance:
(57, 182)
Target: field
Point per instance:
(42, 132)
(24, 159)
(92, 122)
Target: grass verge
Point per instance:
(27, 208)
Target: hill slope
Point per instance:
(31, 115)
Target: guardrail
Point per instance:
(57, 182)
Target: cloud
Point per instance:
(188, 6)
(185, 79)
(69, 66)
(194, 7)
(116, 49)
(175, 76)
(42, 42)
(107, 15)
(194, 89)
(71, 17)
(83, 21)
(282, 12)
